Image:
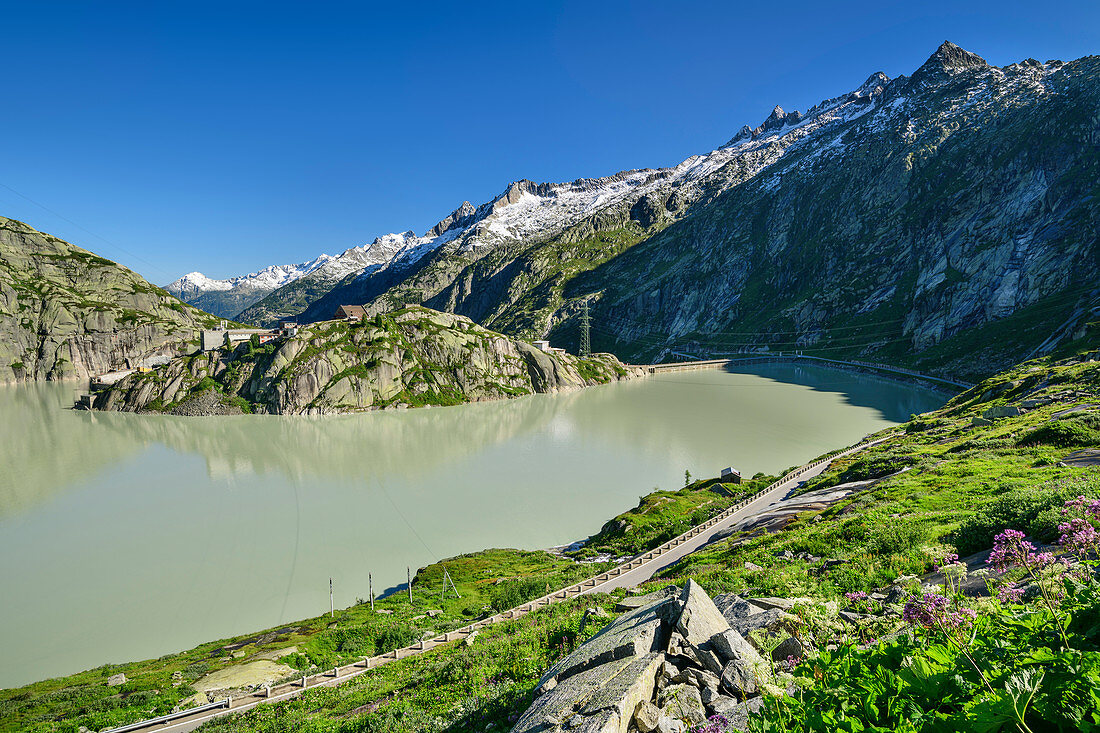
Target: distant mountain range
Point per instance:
(944, 219)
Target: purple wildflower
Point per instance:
(934, 611)
(1011, 549)
(948, 559)
(1010, 593)
(714, 724)
(1079, 535)
(924, 610)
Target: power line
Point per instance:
(86, 231)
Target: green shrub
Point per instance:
(514, 591)
(394, 637)
(296, 660)
(195, 670)
(894, 537)
(847, 577)
(357, 641)
(204, 384)
(1035, 510)
(1062, 434)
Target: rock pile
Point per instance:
(674, 659)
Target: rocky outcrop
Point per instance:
(66, 313)
(408, 358)
(670, 663)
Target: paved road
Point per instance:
(646, 571)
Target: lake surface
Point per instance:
(126, 537)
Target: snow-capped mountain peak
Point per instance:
(268, 278)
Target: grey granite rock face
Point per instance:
(789, 647)
(771, 620)
(682, 702)
(631, 602)
(636, 633)
(646, 717)
(699, 621)
(66, 313)
(736, 712)
(745, 669)
(684, 663)
(699, 618)
(734, 607)
(601, 698)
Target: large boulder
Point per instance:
(632, 602)
(733, 607)
(698, 622)
(633, 634)
(745, 670)
(736, 712)
(601, 699)
(771, 620)
(658, 668)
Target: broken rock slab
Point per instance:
(683, 703)
(699, 620)
(736, 712)
(745, 670)
(772, 620)
(789, 647)
(601, 699)
(633, 634)
(733, 606)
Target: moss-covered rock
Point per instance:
(67, 313)
(412, 357)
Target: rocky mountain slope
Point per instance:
(506, 262)
(66, 313)
(297, 285)
(289, 301)
(953, 224)
(914, 219)
(407, 358)
(227, 298)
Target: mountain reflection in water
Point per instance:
(139, 535)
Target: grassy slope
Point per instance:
(958, 470)
(959, 475)
(487, 581)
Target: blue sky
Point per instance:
(224, 137)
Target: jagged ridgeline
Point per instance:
(67, 313)
(411, 357)
(946, 220)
